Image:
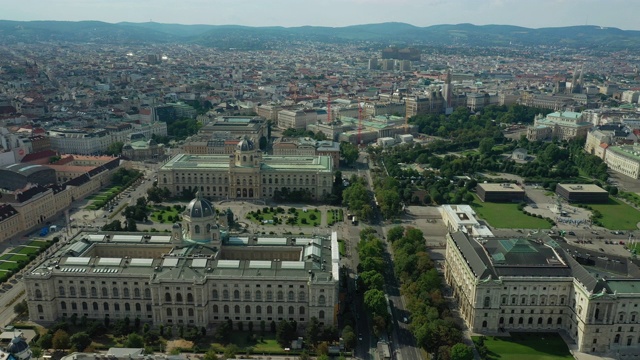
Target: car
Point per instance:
(601, 249)
(360, 336)
(572, 233)
(405, 319)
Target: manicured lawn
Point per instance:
(38, 243)
(307, 215)
(26, 250)
(6, 257)
(165, 214)
(18, 257)
(527, 346)
(342, 247)
(5, 265)
(507, 215)
(617, 215)
(334, 215)
(264, 216)
(268, 345)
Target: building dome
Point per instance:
(199, 207)
(19, 348)
(244, 145)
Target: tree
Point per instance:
(395, 233)
(21, 307)
(60, 340)
(461, 351)
(348, 152)
(273, 326)
(134, 341)
(284, 333)
(80, 341)
(230, 351)
(115, 225)
(375, 302)
(131, 225)
(46, 341)
(210, 355)
(115, 148)
(349, 337)
(322, 349)
(313, 330)
(372, 280)
(263, 327)
(486, 146)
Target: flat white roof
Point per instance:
(229, 264)
(233, 240)
(160, 239)
(260, 264)
(297, 265)
(141, 262)
(77, 261)
(170, 262)
(272, 241)
(94, 238)
(109, 261)
(126, 238)
(199, 263)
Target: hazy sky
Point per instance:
(529, 13)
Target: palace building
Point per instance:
(197, 275)
(247, 174)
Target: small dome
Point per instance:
(244, 145)
(17, 345)
(199, 207)
(176, 226)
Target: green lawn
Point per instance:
(617, 215)
(507, 215)
(527, 346)
(6, 257)
(342, 247)
(306, 215)
(265, 216)
(26, 250)
(161, 210)
(5, 265)
(334, 215)
(268, 345)
(38, 243)
(18, 257)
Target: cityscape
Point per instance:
(384, 191)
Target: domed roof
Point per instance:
(245, 145)
(199, 207)
(17, 345)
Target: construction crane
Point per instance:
(329, 108)
(359, 122)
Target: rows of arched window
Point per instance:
(529, 300)
(178, 298)
(220, 180)
(93, 292)
(258, 296)
(259, 310)
(95, 306)
(290, 181)
(180, 312)
(530, 321)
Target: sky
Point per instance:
(528, 13)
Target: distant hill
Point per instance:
(245, 37)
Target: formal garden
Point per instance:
(292, 216)
(17, 258)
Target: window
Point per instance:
(189, 297)
(225, 294)
(105, 292)
(301, 310)
(236, 309)
(138, 307)
(105, 306)
(180, 312)
(269, 310)
(321, 300)
(125, 292)
(280, 310)
(127, 307)
(226, 309)
(116, 307)
(321, 314)
(269, 295)
(95, 306)
(258, 309)
(38, 294)
(115, 292)
(169, 312)
(247, 295)
(290, 296)
(247, 309)
(83, 291)
(147, 293)
(258, 295)
(215, 294)
(190, 312)
(291, 310)
(302, 296)
(63, 305)
(280, 296)
(487, 301)
(72, 291)
(236, 295)
(84, 306)
(40, 309)
(167, 297)
(215, 309)
(61, 290)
